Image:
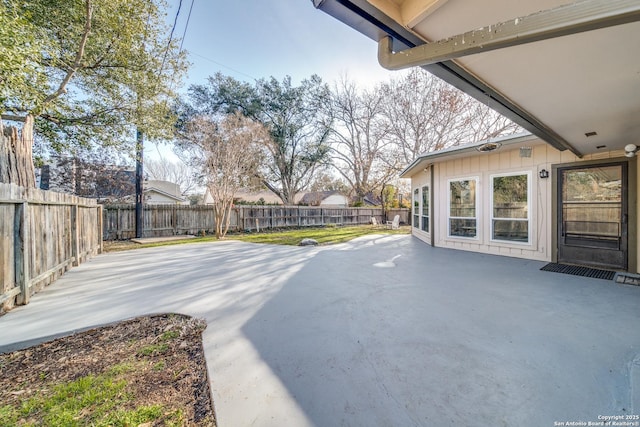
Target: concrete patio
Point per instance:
(382, 331)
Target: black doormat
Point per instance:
(579, 271)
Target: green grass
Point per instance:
(95, 400)
(324, 236)
(169, 335)
(154, 349)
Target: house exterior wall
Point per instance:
(155, 198)
(481, 167)
(335, 200)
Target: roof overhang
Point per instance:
(164, 193)
(467, 150)
(584, 79)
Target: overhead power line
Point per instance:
(184, 34)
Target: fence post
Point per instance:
(271, 217)
(75, 241)
(21, 257)
(174, 214)
(118, 234)
(100, 213)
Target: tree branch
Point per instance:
(79, 55)
(13, 117)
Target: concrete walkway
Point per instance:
(383, 331)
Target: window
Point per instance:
(510, 207)
(416, 208)
(425, 209)
(462, 208)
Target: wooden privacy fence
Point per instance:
(169, 220)
(42, 234)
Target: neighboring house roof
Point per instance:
(266, 196)
(556, 89)
(371, 199)
(164, 188)
(476, 148)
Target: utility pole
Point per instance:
(139, 184)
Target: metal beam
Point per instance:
(565, 20)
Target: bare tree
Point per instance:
(423, 113)
(230, 153)
(358, 138)
(178, 172)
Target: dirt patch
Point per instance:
(158, 359)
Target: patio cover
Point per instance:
(576, 85)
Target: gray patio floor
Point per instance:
(382, 331)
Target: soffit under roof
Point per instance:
(573, 84)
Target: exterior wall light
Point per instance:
(488, 146)
(630, 150)
(544, 173)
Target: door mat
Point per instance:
(575, 270)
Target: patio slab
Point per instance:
(380, 331)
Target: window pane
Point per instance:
(462, 227)
(425, 201)
(512, 230)
(416, 208)
(593, 184)
(463, 198)
(510, 196)
(425, 223)
(592, 205)
(425, 209)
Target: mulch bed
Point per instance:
(165, 351)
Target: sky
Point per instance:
(254, 39)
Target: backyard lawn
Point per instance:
(292, 237)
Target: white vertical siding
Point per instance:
(483, 165)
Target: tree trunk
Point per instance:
(227, 218)
(218, 214)
(16, 159)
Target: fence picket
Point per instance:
(42, 234)
(167, 220)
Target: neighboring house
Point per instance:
(106, 183)
(248, 197)
(324, 198)
(162, 193)
(573, 83)
(371, 199)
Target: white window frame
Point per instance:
(528, 219)
(422, 214)
(415, 210)
(476, 179)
